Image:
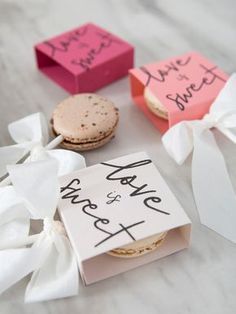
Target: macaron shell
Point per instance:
(156, 111)
(154, 105)
(85, 118)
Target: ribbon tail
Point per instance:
(18, 263)
(15, 223)
(57, 277)
(14, 217)
(178, 141)
(37, 183)
(10, 155)
(213, 191)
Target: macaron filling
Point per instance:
(154, 104)
(86, 141)
(139, 248)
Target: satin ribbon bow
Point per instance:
(48, 254)
(212, 188)
(31, 135)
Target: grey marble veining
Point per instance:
(201, 279)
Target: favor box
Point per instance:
(114, 203)
(84, 59)
(185, 85)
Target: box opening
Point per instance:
(56, 72)
(103, 266)
(137, 91)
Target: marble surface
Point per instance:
(201, 279)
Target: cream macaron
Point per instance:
(86, 121)
(154, 105)
(139, 248)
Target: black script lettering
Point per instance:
(208, 79)
(181, 77)
(106, 41)
(113, 198)
(128, 180)
(160, 75)
(122, 229)
(154, 199)
(72, 189)
(64, 44)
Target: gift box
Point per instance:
(115, 203)
(185, 85)
(84, 59)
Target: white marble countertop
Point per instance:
(199, 280)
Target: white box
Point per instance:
(110, 205)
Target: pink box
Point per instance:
(84, 59)
(185, 85)
(111, 204)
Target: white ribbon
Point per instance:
(213, 191)
(27, 133)
(35, 194)
(14, 218)
(31, 135)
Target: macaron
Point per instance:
(154, 104)
(86, 121)
(139, 248)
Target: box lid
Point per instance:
(83, 48)
(111, 204)
(185, 85)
